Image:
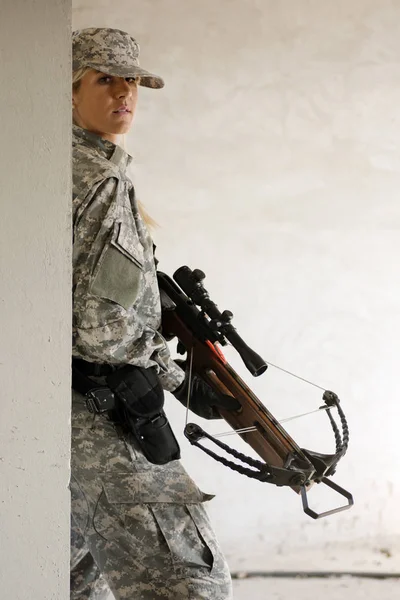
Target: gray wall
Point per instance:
(35, 293)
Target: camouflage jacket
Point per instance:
(116, 302)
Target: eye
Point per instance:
(131, 79)
(105, 79)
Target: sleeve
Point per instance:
(116, 314)
(172, 377)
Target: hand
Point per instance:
(203, 401)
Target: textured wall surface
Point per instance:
(271, 161)
(35, 291)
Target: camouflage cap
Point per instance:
(110, 51)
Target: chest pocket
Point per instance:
(118, 275)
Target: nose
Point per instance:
(123, 89)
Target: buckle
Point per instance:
(155, 418)
(100, 400)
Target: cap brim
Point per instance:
(146, 79)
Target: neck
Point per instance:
(114, 138)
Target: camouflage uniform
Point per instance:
(138, 529)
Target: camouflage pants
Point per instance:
(138, 530)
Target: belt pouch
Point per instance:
(139, 404)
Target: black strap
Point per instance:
(80, 382)
(99, 398)
(92, 369)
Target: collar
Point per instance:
(104, 148)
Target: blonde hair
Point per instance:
(76, 82)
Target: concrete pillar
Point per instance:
(35, 293)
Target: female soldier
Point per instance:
(139, 529)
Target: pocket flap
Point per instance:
(119, 276)
(155, 485)
(127, 241)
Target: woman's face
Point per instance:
(105, 104)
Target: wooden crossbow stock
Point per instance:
(195, 320)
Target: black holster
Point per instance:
(139, 404)
(134, 398)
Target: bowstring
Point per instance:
(285, 420)
(270, 364)
(189, 386)
(252, 428)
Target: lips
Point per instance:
(122, 109)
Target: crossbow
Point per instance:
(195, 320)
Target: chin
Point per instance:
(120, 128)
(117, 130)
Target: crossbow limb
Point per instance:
(190, 315)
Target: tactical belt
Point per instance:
(92, 369)
(132, 397)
